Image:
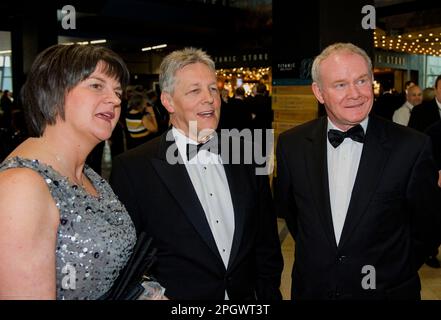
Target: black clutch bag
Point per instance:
(128, 284)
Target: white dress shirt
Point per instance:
(343, 164)
(207, 175)
(402, 114)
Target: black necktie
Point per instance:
(210, 146)
(336, 137)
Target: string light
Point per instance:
(430, 43)
(249, 77)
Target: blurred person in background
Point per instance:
(414, 97)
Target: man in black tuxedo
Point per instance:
(212, 222)
(422, 118)
(426, 114)
(364, 211)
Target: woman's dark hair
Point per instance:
(136, 102)
(56, 71)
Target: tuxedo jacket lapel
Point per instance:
(317, 168)
(177, 180)
(233, 174)
(373, 159)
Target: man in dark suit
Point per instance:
(422, 118)
(260, 105)
(236, 113)
(211, 221)
(428, 113)
(434, 132)
(364, 211)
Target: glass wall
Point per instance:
(5, 61)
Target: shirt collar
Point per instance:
(182, 140)
(180, 137)
(409, 105)
(363, 124)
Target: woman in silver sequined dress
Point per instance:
(63, 233)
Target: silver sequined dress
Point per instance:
(95, 235)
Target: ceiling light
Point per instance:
(159, 46)
(154, 47)
(98, 41)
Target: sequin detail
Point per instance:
(95, 236)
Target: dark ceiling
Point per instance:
(217, 26)
(132, 24)
(408, 16)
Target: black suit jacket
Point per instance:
(393, 219)
(434, 132)
(424, 115)
(162, 201)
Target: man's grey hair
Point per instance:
(176, 61)
(337, 48)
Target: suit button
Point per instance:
(341, 258)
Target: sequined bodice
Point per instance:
(95, 235)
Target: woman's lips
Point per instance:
(106, 116)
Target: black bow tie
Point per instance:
(210, 146)
(336, 137)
